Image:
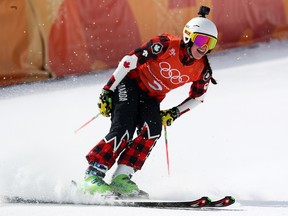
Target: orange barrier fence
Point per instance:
(44, 39)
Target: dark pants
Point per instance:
(132, 109)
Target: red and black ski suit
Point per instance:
(163, 64)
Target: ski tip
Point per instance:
(231, 199)
(226, 201)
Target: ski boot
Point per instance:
(94, 184)
(125, 188)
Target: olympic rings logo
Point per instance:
(173, 74)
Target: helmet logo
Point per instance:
(187, 32)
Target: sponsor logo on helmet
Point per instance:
(157, 48)
(187, 32)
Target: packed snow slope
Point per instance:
(235, 143)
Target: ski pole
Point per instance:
(167, 152)
(87, 123)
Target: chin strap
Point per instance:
(188, 49)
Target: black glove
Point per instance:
(168, 116)
(105, 102)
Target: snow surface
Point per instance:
(233, 144)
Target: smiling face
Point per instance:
(198, 52)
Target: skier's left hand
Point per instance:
(105, 102)
(168, 116)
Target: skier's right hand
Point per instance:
(105, 102)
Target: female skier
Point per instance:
(132, 98)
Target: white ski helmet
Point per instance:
(199, 25)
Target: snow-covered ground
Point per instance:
(233, 144)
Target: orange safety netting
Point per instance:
(43, 39)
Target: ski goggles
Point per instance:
(204, 40)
